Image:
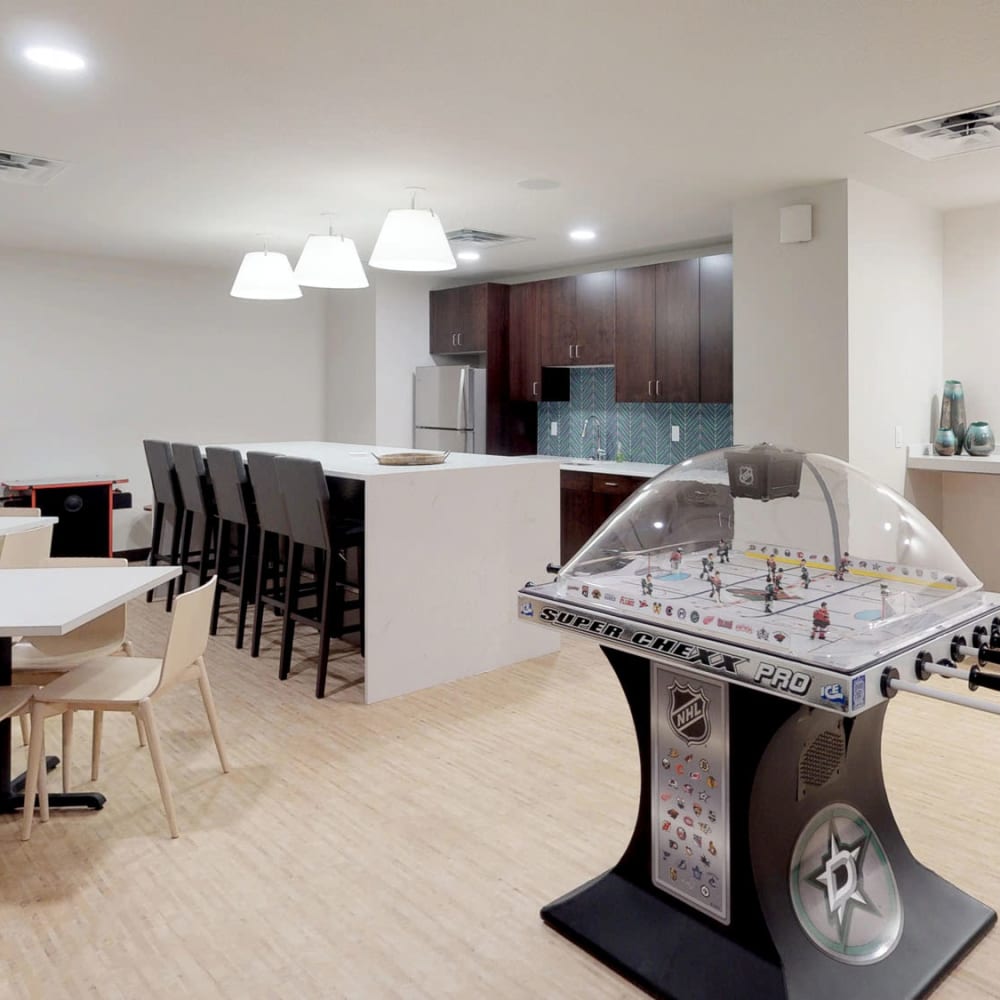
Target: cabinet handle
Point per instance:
(459, 336)
(606, 483)
(657, 387)
(649, 391)
(571, 350)
(453, 340)
(578, 352)
(534, 388)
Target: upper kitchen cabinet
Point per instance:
(635, 329)
(576, 319)
(462, 320)
(525, 355)
(674, 332)
(717, 328)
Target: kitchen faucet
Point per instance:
(593, 421)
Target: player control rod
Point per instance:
(984, 654)
(891, 685)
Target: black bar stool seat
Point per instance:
(199, 504)
(238, 534)
(167, 506)
(315, 524)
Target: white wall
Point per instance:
(402, 339)
(971, 352)
(895, 250)
(101, 353)
(790, 319)
(350, 365)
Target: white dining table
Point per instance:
(8, 525)
(43, 601)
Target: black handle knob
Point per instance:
(979, 678)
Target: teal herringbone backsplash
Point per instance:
(642, 429)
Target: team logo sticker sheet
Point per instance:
(690, 787)
(843, 888)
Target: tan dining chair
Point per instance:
(117, 684)
(17, 702)
(42, 659)
(20, 512)
(26, 549)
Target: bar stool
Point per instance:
(272, 544)
(199, 502)
(167, 505)
(311, 524)
(236, 565)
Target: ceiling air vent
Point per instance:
(479, 239)
(23, 168)
(946, 135)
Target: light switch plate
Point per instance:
(554, 428)
(675, 432)
(898, 436)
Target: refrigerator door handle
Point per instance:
(462, 418)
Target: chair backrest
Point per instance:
(26, 549)
(229, 480)
(188, 633)
(20, 511)
(267, 492)
(307, 500)
(160, 459)
(190, 468)
(106, 630)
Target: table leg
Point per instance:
(11, 798)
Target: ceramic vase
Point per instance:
(953, 410)
(979, 438)
(944, 441)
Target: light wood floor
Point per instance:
(395, 850)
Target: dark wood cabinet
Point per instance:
(635, 334)
(576, 319)
(678, 351)
(674, 332)
(525, 355)
(716, 321)
(462, 319)
(586, 501)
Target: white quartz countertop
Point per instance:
(357, 461)
(644, 470)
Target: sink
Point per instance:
(583, 461)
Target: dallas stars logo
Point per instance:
(840, 877)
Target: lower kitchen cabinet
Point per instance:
(587, 500)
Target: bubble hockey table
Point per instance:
(765, 860)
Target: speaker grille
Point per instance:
(821, 760)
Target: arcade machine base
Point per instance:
(672, 951)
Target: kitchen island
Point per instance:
(445, 548)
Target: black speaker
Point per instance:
(84, 512)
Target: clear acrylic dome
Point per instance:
(749, 543)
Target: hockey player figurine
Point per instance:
(821, 622)
(716, 582)
(804, 573)
(647, 584)
(842, 568)
(769, 595)
(707, 568)
(723, 551)
(777, 581)
(675, 560)
(772, 567)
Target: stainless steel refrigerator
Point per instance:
(449, 408)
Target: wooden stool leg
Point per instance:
(67, 749)
(213, 718)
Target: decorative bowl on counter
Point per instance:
(979, 438)
(412, 457)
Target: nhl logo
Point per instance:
(746, 475)
(688, 714)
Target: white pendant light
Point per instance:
(330, 262)
(265, 275)
(412, 239)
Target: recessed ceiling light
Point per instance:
(467, 255)
(58, 59)
(582, 234)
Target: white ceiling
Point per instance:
(199, 124)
